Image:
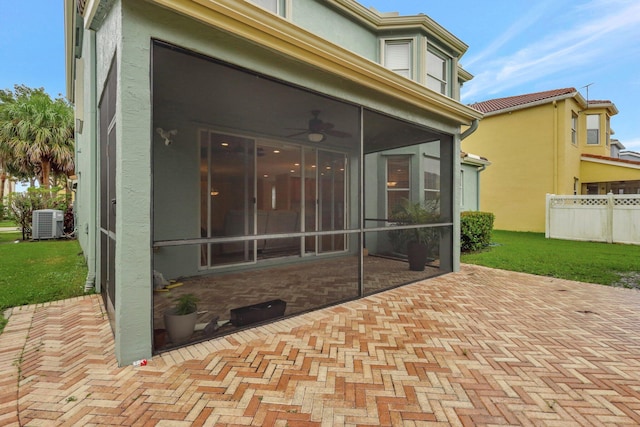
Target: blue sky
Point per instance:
(32, 45)
(515, 47)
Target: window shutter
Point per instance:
(397, 57)
(436, 72)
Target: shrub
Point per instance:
(22, 205)
(412, 213)
(475, 230)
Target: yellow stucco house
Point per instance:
(554, 142)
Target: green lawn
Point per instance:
(7, 223)
(35, 272)
(583, 261)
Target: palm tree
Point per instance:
(36, 136)
(12, 167)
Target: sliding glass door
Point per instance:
(331, 191)
(267, 199)
(227, 208)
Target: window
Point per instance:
(397, 57)
(438, 71)
(608, 130)
(431, 178)
(593, 129)
(592, 189)
(574, 128)
(398, 182)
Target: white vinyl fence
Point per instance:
(609, 218)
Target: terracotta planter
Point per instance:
(179, 327)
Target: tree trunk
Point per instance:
(3, 180)
(46, 172)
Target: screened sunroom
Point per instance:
(272, 197)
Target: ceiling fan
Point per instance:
(318, 130)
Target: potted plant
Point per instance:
(419, 243)
(180, 320)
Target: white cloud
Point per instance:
(600, 34)
(516, 28)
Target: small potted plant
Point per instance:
(419, 243)
(180, 320)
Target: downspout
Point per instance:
(90, 282)
(480, 169)
(472, 129)
(555, 147)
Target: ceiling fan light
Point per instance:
(316, 137)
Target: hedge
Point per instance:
(475, 230)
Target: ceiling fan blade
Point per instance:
(338, 133)
(297, 134)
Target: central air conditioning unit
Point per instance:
(47, 224)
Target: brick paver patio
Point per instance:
(479, 347)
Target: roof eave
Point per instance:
(632, 164)
(581, 101)
(464, 75)
(69, 43)
(609, 106)
(475, 161)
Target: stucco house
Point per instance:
(551, 142)
(249, 152)
(629, 155)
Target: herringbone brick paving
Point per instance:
(479, 347)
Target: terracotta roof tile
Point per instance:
(612, 159)
(498, 104)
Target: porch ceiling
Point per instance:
(224, 98)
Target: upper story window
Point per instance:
(593, 129)
(438, 71)
(397, 57)
(574, 128)
(608, 130)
